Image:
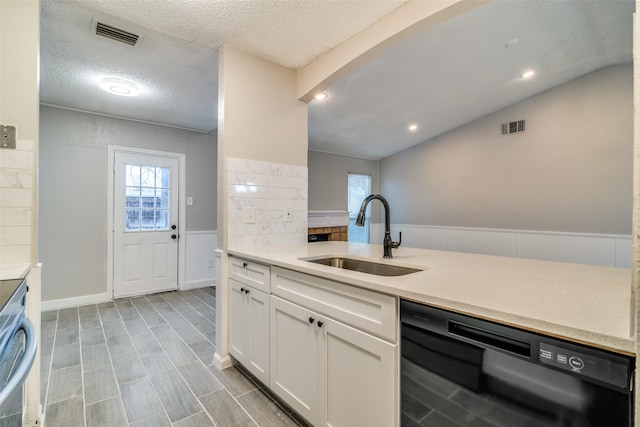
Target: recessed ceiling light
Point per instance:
(527, 74)
(321, 96)
(413, 127)
(119, 87)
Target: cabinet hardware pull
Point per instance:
(311, 320)
(241, 289)
(246, 291)
(244, 264)
(320, 323)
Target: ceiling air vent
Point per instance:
(117, 34)
(513, 127)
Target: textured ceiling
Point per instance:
(175, 65)
(461, 71)
(178, 81)
(288, 32)
(451, 75)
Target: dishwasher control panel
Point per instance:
(605, 370)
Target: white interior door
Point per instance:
(145, 224)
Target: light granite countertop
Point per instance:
(582, 303)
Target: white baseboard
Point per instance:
(194, 284)
(58, 304)
(222, 362)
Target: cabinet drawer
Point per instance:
(363, 309)
(250, 273)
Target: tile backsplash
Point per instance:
(17, 168)
(258, 195)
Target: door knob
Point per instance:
(173, 236)
(173, 227)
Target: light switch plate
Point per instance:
(249, 214)
(7, 136)
(288, 214)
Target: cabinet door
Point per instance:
(258, 328)
(239, 324)
(294, 356)
(357, 377)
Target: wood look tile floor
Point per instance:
(146, 361)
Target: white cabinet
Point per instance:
(331, 373)
(357, 378)
(249, 328)
(250, 273)
(294, 357)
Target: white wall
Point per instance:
(263, 130)
(571, 171)
(262, 144)
(73, 192)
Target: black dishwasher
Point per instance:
(458, 370)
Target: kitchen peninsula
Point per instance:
(318, 334)
(583, 303)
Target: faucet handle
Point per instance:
(395, 245)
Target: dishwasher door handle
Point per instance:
(22, 369)
(490, 338)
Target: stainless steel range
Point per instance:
(18, 344)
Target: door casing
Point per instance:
(182, 209)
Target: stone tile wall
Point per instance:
(266, 188)
(17, 168)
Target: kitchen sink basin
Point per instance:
(363, 266)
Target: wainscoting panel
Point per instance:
(569, 248)
(623, 251)
(200, 259)
(502, 243)
(595, 249)
(419, 237)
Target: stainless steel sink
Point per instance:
(363, 266)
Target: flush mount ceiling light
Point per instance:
(413, 127)
(527, 74)
(321, 96)
(119, 87)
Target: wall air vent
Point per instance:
(113, 33)
(513, 127)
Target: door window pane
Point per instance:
(147, 199)
(162, 198)
(148, 176)
(132, 176)
(162, 220)
(132, 219)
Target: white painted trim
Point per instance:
(58, 304)
(182, 208)
(194, 284)
(222, 362)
